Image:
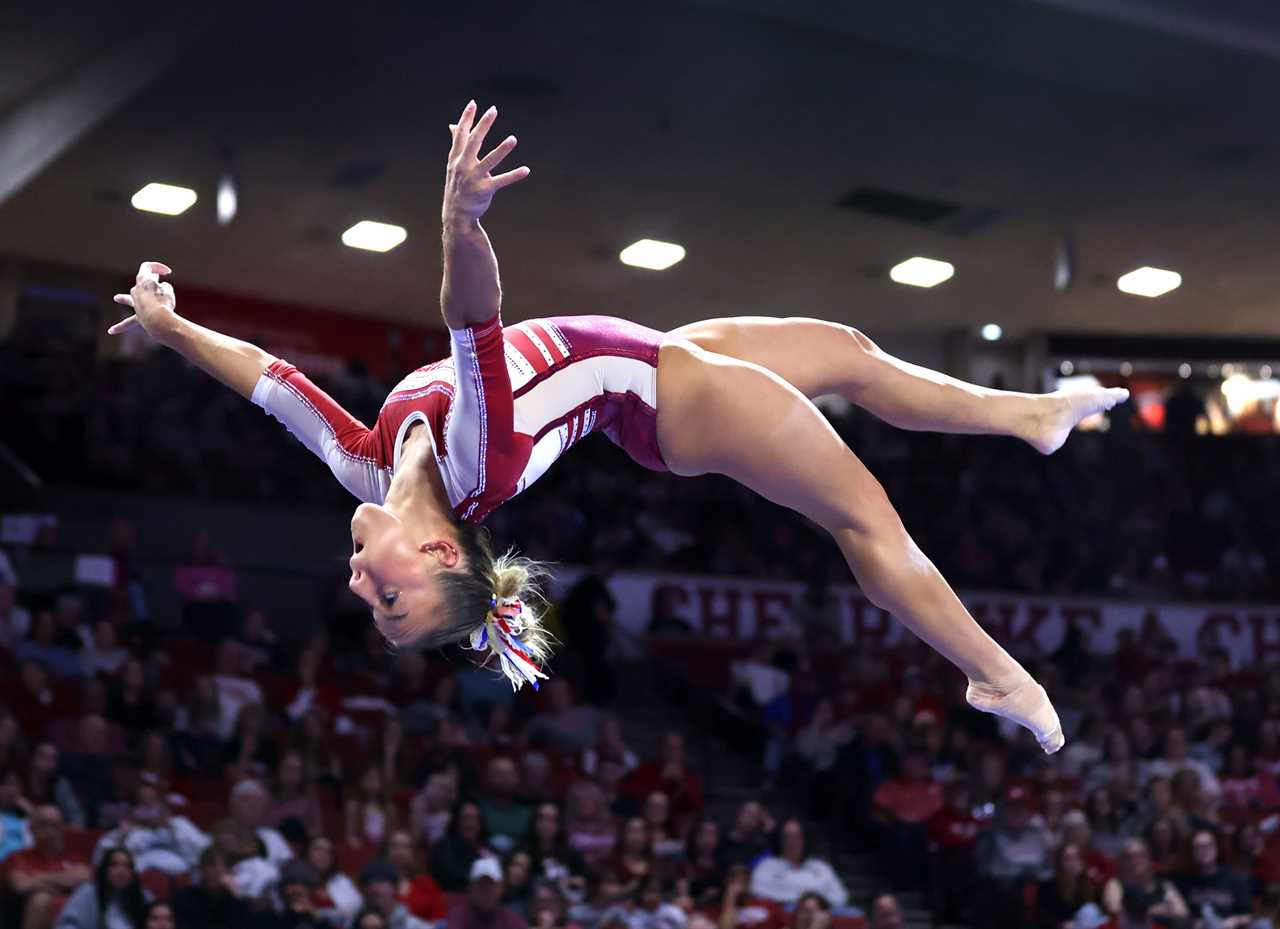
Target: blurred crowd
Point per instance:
(1121, 512)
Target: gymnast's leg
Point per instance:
(819, 357)
(717, 414)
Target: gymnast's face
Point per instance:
(395, 572)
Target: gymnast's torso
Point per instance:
(506, 404)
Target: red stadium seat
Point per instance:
(157, 883)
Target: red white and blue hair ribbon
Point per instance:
(502, 634)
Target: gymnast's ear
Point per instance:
(442, 550)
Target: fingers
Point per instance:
(151, 271)
(124, 299)
(467, 118)
(511, 177)
(494, 158)
(123, 326)
(476, 139)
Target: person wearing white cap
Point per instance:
(482, 907)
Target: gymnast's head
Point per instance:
(433, 585)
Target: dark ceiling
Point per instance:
(735, 127)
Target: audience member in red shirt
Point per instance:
(416, 889)
(42, 876)
(902, 805)
(953, 832)
(671, 776)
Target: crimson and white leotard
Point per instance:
(499, 411)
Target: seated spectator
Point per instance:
(705, 862)
(548, 908)
(104, 654)
(648, 908)
(297, 909)
(589, 827)
(952, 835)
(378, 881)
(234, 689)
(259, 645)
(13, 744)
(1165, 847)
(213, 901)
(45, 784)
(562, 725)
(159, 915)
(1062, 896)
(886, 913)
(1108, 832)
(1246, 791)
(251, 751)
(370, 815)
(129, 704)
(1136, 896)
(155, 838)
(42, 646)
(506, 820)
(199, 726)
(482, 907)
(665, 836)
(254, 852)
(738, 909)
(902, 805)
(416, 888)
(293, 795)
(670, 774)
(785, 877)
(757, 681)
(535, 778)
(1012, 855)
(1210, 889)
(1175, 758)
(752, 835)
(114, 899)
(14, 835)
(517, 883)
(38, 878)
(432, 807)
(551, 856)
(819, 743)
(335, 891)
(452, 856)
(609, 747)
(632, 859)
(812, 912)
(34, 693)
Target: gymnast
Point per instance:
(457, 438)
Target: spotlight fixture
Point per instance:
(992, 332)
(1149, 282)
(1126, 369)
(228, 200)
(374, 236)
(1067, 368)
(922, 272)
(1184, 370)
(652, 254)
(165, 199)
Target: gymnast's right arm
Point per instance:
(237, 364)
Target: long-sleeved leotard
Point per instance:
(500, 410)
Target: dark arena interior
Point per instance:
(202, 728)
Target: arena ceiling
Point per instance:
(734, 127)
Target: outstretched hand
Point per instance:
(152, 300)
(469, 185)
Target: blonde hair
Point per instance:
(495, 605)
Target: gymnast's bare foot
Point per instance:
(1025, 703)
(1063, 411)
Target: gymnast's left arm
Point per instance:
(471, 292)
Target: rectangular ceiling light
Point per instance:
(164, 198)
(922, 272)
(373, 236)
(1149, 282)
(651, 254)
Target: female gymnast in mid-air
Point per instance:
(457, 438)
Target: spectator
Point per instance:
(103, 654)
(252, 752)
(757, 681)
(129, 705)
(1008, 858)
(1135, 896)
(114, 899)
(415, 888)
(886, 913)
(1165, 847)
(13, 816)
(452, 856)
(506, 821)
(370, 814)
(812, 912)
(159, 915)
(1175, 759)
(45, 784)
(665, 837)
(1061, 897)
(563, 726)
(591, 831)
(902, 805)
(518, 883)
(40, 877)
(1211, 890)
(433, 806)
(213, 902)
(820, 742)
(481, 909)
(609, 746)
(547, 908)
(739, 910)
(551, 856)
(752, 835)
(791, 873)
(335, 891)
(42, 646)
(15, 621)
(672, 775)
(298, 883)
(293, 795)
(587, 614)
(633, 857)
(952, 835)
(259, 645)
(234, 690)
(155, 838)
(705, 862)
(379, 881)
